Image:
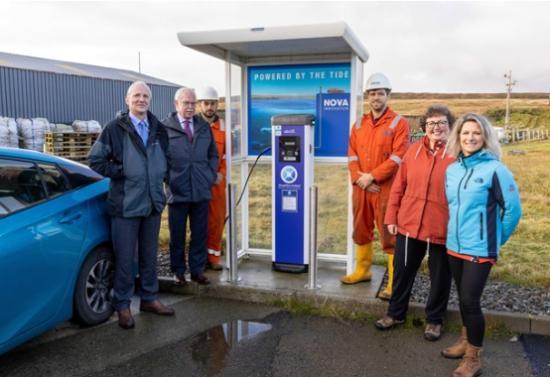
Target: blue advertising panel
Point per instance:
(331, 140)
(318, 89)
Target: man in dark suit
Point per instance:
(132, 150)
(193, 172)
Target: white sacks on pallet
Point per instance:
(86, 126)
(8, 133)
(31, 132)
(45, 123)
(61, 128)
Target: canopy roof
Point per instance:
(281, 43)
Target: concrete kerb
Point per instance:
(281, 297)
(327, 303)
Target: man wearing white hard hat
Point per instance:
(376, 146)
(208, 104)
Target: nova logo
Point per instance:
(335, 102)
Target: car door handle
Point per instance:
(70, 218)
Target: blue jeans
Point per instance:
(127, 234)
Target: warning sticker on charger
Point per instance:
(290, 201)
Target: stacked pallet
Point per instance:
(74, 145)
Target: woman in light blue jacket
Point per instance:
(484, 210)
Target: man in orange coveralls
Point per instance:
(208, 104)
(376, 147)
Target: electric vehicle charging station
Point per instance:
(292, 168)
(261, 59)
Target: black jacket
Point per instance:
(137, 171)
(193, 168)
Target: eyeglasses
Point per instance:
(440, 123)
(188, 104)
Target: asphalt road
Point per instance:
(209, 337)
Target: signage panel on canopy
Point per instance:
(321, 90)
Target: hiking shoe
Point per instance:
(432, 332)
(387, 323)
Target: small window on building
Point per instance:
(20, 186)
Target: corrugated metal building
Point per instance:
(62, 92)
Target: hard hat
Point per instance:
(208, 94)
(378, 81)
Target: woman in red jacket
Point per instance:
(417, 213)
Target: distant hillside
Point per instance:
(410, 95)
(528, 110)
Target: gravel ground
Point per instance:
(499, 296)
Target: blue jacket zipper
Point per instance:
(468, 179)
(458, 209)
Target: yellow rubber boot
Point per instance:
(386, 293)
(363, 262)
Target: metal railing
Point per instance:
(313, 208)
(516, 135)
(232, 258)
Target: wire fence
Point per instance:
(505, 136)
(516, 135)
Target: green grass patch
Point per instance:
(307, 307)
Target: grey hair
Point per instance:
(139, 83)
(490, 138)
(180, 91)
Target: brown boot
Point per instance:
(457, 350)
(125, 319)
(156, 307)
(470, 366)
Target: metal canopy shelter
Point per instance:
(264, 46)
(276, 44)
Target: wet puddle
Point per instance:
(212, 346)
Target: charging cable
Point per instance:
(248, 177)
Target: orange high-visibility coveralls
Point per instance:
(375, 147)
(216, 207)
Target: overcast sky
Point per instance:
(425, 46)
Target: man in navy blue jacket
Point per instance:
(193, 172)
(132, 150)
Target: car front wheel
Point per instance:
(92, 296)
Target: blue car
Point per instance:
(56, 261)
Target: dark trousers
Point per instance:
(127, 234)
(470, 279)
(405, 273)
(197, 212)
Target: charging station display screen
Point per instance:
(321, 90)
(289, 149)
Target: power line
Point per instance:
(509, 84)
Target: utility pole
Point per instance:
(509, 84)
(139, 61)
